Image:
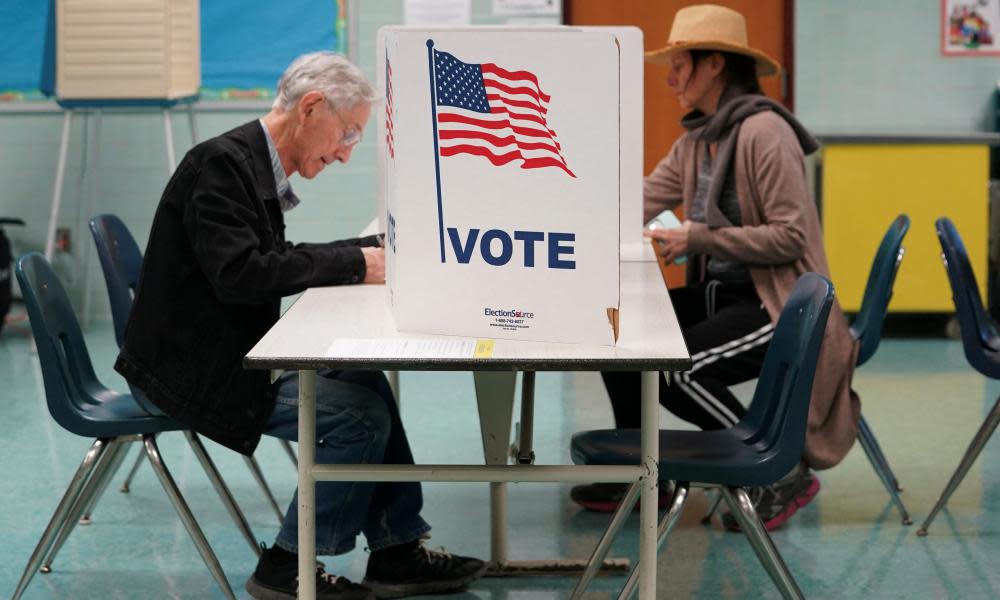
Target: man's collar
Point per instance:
(280, 179)
(286, 196)
(261, 158)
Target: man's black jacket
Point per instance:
(215, 270)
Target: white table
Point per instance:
(650, 340)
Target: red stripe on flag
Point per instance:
(454, 118)
(496, 140)
(537, 163)
(527, 117)
(496, 159)
(518, 103)
(519, 115)
(515, 75)
(489, 83)
(502, 159)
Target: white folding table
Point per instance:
(650, 340)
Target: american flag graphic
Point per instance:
(488, 111)
(388, 108)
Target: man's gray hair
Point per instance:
(343, 84)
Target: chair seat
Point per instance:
(118, 414)
(720, 457)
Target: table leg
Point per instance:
(495, 396)
(307, 485)
(651, 459)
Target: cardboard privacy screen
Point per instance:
(499, 173)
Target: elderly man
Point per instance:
(215, 269)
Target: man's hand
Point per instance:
(374, 264)
(673, 243)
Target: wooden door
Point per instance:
(770, 28)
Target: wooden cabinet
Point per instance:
(867, 182)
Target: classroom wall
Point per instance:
(881, 70)
(876, 66)
(132, 172)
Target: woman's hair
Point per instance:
(740, 71)
(342, 84)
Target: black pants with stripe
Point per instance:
(727, 331)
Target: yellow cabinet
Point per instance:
(864, 187)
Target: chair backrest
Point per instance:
(70, 382)
(121, 262)
(777, 414)
(979, 332)
(867, 326)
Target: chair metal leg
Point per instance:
(290, 452)
(98, 478)
(127, 484)
(972, 452)
(711, 511)
(742, 508)
(666, 526)
(604, 545)
(83, 472)
(259, 476)
(113, 466)
(867, 441)
(170, 487)
(222, 489)
(866, 430)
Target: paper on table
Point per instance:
(395, 348)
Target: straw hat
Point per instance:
(712, 27)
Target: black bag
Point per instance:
(6, 268)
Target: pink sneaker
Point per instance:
(777, 503)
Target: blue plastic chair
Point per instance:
(867, 328)
(759, 450)
(980, 340)
(85, 407)
(121, 263)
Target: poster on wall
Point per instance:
(970, 27)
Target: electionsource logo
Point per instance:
(517, 314)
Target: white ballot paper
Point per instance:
(396, 348)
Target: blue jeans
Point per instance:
(357, 422)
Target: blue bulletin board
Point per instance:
(245, 46)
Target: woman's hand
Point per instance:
(673, 243)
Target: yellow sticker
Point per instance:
(484, 349)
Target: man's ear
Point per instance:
(310, 102)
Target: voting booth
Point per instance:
(499, 174)
(127, 49)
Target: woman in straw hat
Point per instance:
(751, 230)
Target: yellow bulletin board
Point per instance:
(865, 186)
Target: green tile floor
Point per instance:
(919, 395)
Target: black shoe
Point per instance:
(412, 568)
(276, 578)
(605, 497)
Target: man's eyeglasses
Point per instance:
(351, 135)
